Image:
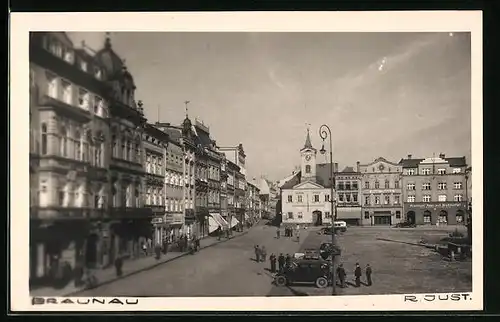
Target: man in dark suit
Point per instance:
(357, 274)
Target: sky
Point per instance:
(382, 94)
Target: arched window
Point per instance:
(44, 138)
(64, 142)
(98, 148)
(148, 196)
(377, 185)
(78, 148)
(386, 184)
(137, 196)
(308, 168)
(443, 217)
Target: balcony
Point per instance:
(66, 213)
(50, 103)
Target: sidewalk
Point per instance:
(131, 267)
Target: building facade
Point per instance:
(191, 225)
(306, 202)
(224, 211)
(348, 199)
(69, 156)
(434, 190)
(155, 144)
(382, 192)
(232, 169)
(237, 156)
(253, 201)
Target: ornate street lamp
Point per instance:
(325, 132)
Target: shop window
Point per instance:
(427, 217)
(398, 214)
(367, 215)
(290, 215)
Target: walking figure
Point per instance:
(281, 262)
(341, 275)
(257, 253)
(272, 258)
(119, 265)
(357, 274)
(263, 252)
(278, 232)
(368, 275)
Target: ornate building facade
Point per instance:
(237, 156)
(69, 156)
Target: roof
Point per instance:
(457, 161)
(379, 159)
(308, 144)
(453, 162)
(291, 181)
(323, 176)
(112, 63)
(348, 169)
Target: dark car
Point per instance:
(406, 224)
(313, 271)
(327, 249)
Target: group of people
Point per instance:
(282, 260)
(260, 253)
(289, 232)
(341, 274)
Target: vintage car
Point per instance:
(327, 249)
(305, 270)
(339, 226)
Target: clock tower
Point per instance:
(308, 160)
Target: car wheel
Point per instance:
(321, 282)
(281, 280)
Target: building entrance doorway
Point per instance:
(317, 218)
(91, 251)
(382, 220)
(410, 217)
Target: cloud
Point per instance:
(272, 76)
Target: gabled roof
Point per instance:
(379, 159)
(410, 163)
(308, 184)
(457, 161)
(291, 181)
(453, 162)
(348, 169)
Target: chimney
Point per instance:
(442, 155)
(357, 166)
(409, 156)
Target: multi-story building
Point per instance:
(69, 155)
(191, 224)
(130, 223)
(381, 192)
(308, 201)
(270, 199)
(348, 192)
(434, 190)
(232, 169)
(174, 182)
(223, 190)
(252, 195)
(237, 156)
(155, 144)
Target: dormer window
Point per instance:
(68, 55)
(83, 65)
(97, 73)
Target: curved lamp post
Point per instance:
(324, 133)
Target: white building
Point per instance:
(304, 200)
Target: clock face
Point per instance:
(308, 157)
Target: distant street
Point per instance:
(227, 269)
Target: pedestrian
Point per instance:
(341, 275)
(368, 275)
(144, 248)
(158, 251)
(272, 258)
(119, 265)
(278, 232)
(263, 251)
(357, 274)
(298, 236)
(287, 231)
(219, 232)
(291, 232)
(281, 262)
(288, 260)
(257, 253)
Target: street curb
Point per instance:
(151, 267)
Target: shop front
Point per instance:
(381, 216)
(351, 215)
(216, 223)
(436, 213)
(189, 223)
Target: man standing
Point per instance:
(357, 274)
(288, 260)
(368, 275)
(278, 233)
(341, 275)
(281, 262)
(263, 253)
(257, 253)
(272, 258)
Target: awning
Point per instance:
(247, 216)
(216, 220)
(348, 212)
(234, 222)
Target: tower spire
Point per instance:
(186, 104)
(308, 143)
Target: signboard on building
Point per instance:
(382, 191)
(411, 205)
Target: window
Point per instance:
(457, 170)
(98, 106)
(398, 214)
(98, 153)
(290, 198)
(442, 198)
(68, 55)
(377, 200)
(97, 72)
(83, 65)
(44, 138)
(410, 199)
(442, 186)
(51, 85)
(299, 198)
(426, 186)
(64, 142)
(341, 197)
(387, 200)
(299, 215)
(55, 47)
(396, 200)
(457, 185)
(78, 146)
(367, 200)
(347, 198)
(377, 185)
(327, 214)
(83, 98)
(367, 185)
(410, 186)
(386, 184)
(327, 198)
(367, 215)
(347, 186)
(410, 172)
(290, 215)
(458, 197)
(67, 92)
(443, 217)
(441, 171)
(426, 171)
(396, 184)
(137, 195)
(427, 217)
(355, 198)
(354, 186)
(316, 198)
(426, 198)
